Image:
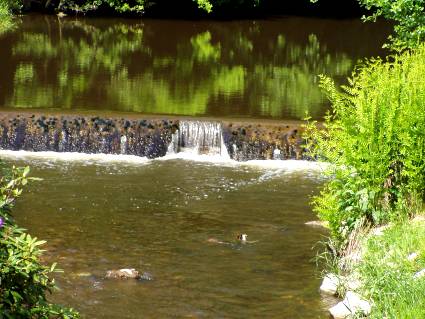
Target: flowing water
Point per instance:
(252, 68)
(159, 216)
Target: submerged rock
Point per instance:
(83, 274)
(146, 276)
(317, 223)
(125, 273)
(128, 273)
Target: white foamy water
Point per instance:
(74, 157)
(272, 168)
(189, 155)
(288, 165)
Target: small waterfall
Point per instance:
(277, 154)
(123, 144)
(200, 138)
(173, 147)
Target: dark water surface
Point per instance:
(158, 217)
(252, 68)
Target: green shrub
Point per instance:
(120, 6)
(374, 137)
(24, 281)
(409, 18)
(5, 16)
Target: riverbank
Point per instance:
(374, 141)
(386, 267)
(392, 269)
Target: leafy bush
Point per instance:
(9, 6)
(120, 6)
(24, 280)
(409, 18)
(136, 6)
(374, 137)
(6, 21)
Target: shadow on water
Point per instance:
(158, 217)
(250, 68)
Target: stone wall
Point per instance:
(142, 135)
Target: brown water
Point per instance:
(252, 68)
(157, 217)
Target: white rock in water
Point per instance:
(123, 273)
(419, 274)
(339, 311)
(329, 284)
(351, 305)
(317, 223)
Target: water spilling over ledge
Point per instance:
(150, 137)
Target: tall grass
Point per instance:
(388, 275)
(375, 138)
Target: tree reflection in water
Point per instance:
(265, 68)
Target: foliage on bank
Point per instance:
(374, 137)
(408, 16)
(24, 281)
(6, 19)
(133, 6)
(193, 8)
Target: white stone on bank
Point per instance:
(379, 231)
(330, 284)
(339, 311)
(351, 305)
(412, 256)
(352, 283)
(419, 274)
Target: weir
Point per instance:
(150, 137)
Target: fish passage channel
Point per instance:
(177, 221)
